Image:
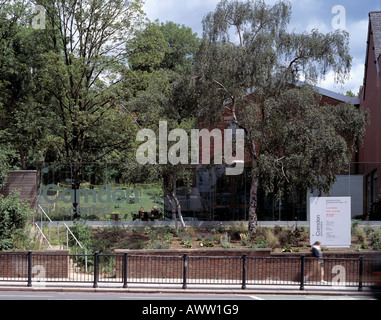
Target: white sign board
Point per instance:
(330, 221)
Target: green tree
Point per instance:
(20, 126)
(8, 161)
(161, 56)
(82, 76)
(351, 94)
(293, 142)
(183, 45)
(147, 48)
(24, 117)
(82, 73)
(12, 18)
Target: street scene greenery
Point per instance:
(17, 233)
(236, 236)
(15, 224)
(80, 87)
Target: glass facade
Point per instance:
(95, 191)
(217, 197)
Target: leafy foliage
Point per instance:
(248, 58)
(14, 217)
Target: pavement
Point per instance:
(111, 287)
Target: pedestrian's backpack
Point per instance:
(315, 252)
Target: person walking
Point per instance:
(318, 265)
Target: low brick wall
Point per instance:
(25, 182)
(262, 265)
(208, 264)
(45, 264)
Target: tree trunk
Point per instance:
(173, 207)
(75, 185)
(22, 159)
(253, 203)
(178, 205)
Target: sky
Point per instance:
(323, 15)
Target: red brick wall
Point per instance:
(55, 264)
(371, 100)
(25, 182)
(212, 265)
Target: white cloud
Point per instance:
(306, 15)
(352, 84)
(358, 33)
(188, 12)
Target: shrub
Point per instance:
(360, 234)
(271, 239)
(187, 243)
(191, 232)
(225, 241)
(226, 245)
(259, 244)
(354, 226)
(245, 238)
(285, 237)
(287, 248)
(81, 232)
(238, 228)
(160, 245)
(375, 238)
(206, 243)
(14, 217)
(368, 230)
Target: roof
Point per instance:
(324, 92)
(338, 96)
(375, 21)
(333, 95)
(374, 29)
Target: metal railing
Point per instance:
(184, 270)
(74, 258)
(43, 235)
(68, 231)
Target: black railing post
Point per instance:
(125, 261)
(361, 272)
(185, 270)
(244, 272)
(29, 269)
(302, 271)
(96, 266)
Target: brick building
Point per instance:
(370, 98)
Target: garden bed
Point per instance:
(278, 239)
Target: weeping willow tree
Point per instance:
(250, 66)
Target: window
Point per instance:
(374, 187)
(368, 193)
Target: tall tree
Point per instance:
(82, 76)
(160, 60)
(15, 80)
(293, 142)
(24, 122)
(82, 72)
